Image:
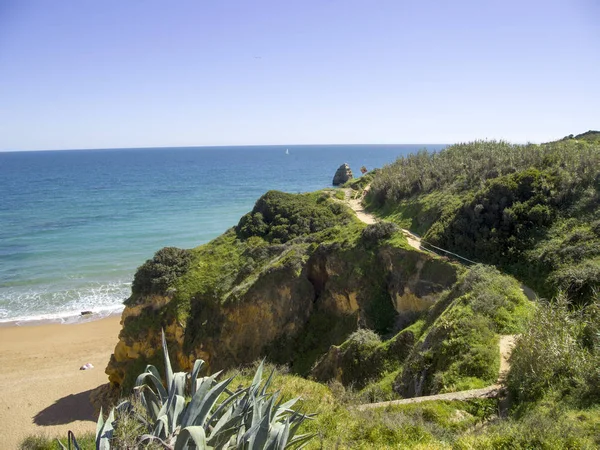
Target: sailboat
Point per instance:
(287, 151)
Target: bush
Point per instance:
(503, 219)
(280, 217)
(156, 275)
(379, 231)
(557, 354)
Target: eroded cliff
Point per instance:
(297, 276)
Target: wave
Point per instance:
(51, 303)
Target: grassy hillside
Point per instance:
(530, 209)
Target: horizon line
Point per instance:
(209, 146)
(251, 145)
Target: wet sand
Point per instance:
(42, 390)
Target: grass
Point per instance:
(86, 441)
(338, 425)
(459, 348)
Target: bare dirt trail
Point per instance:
(368, 218)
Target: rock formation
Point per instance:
(343, 174)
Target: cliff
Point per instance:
(298, 274)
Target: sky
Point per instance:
(150, 73)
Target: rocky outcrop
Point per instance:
(343, 174)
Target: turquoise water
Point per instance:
(74, 225)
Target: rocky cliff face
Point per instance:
(242, 298)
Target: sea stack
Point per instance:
(343, 174)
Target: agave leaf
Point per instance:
(257, 378)
(240, 436)
(301, 440)
(295, 421)
(195, 433)
(162, 427)
(200, 410)
(267, 383)
(175, 411)
(179, 381)
(124, 406)
(168, 368)
(154, 371)
(248, 437)
(106, 433)
(198, 364)
(163, 410)
(160, 389)
(99, 425)
(194, 404)
(275, 432)
(284, 408)
(283, 437)
(230, 423)
(256, 412)
(224, 405)
(257, 435)
(219, 431)
(149, 400)
(263, 431)
(193, 408)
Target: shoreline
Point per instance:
(70, 318)
(42, 389)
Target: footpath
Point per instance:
(506, 343)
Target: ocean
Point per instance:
(75, 225)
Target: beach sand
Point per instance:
(42, 390)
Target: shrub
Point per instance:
(379, 231)
(280, 217)
(156, 275)
(557, 353)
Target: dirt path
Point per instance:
(506, 345)
(368, 218)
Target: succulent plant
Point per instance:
(214, 418)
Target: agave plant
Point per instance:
(215, 417)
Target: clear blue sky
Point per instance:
(137, 73)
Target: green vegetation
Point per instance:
(279, 217)
(338, 424)
(358, 184)
(529, 209)
(459, 348)
(214, 417)
(558, 355)
(156, 275)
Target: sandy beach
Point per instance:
(42, 390)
